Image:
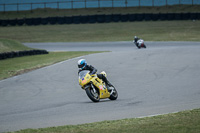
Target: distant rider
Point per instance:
(82, 65)
(139, 42)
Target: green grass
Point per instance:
(43, 13)
(14, 66)
(19, 65)
(7, 45)
(122, 31)
(181, 122)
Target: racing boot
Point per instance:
(106, 81)
(109, 84)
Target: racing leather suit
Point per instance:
(136, 43)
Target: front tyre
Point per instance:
(94, 96)
(114, 94)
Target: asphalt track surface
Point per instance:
(161, 79)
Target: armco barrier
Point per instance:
(13, 22)
(29, 21)
(36, 21)
(177, 16)
(124, 18)
(44, 21)
(147, 16)
(84, 19)
(116, 17)
(52, 20)
(4, 22)
(92, 19)
(21, 53)
(132, 17)
(102, 18)
(193, 16)
(185, 16)
(76, 19)
(20, 22)
(170, 16)
(163, 16)
(68, 20)
(139, 17)
(155, 17)
(108, 18)
(61, 20)
(198, 16)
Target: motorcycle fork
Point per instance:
(93, 88)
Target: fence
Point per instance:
(72, 4)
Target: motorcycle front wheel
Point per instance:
(94, 96)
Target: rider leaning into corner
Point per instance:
(139, 42)
(82, 65)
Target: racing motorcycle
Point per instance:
(140, 43)
(95, 88)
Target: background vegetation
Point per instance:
(121, 31)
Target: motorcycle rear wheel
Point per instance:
(94, 96)
(114, 95)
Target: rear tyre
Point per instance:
(94, 96)
(114, 95)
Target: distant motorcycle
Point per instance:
(139, 43)
(95, 88)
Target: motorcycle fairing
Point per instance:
(85, 78)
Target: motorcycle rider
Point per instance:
(137, 42)
(82, 65)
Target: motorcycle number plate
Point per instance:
(83, 80)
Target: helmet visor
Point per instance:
(81, 66)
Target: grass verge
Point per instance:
(15, 66)
(7, 45)
(181, 122)
(122, 31)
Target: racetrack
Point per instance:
(161, 79)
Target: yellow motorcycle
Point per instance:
(95, 88)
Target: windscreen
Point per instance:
(83, 73)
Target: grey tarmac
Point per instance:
(163, 78)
